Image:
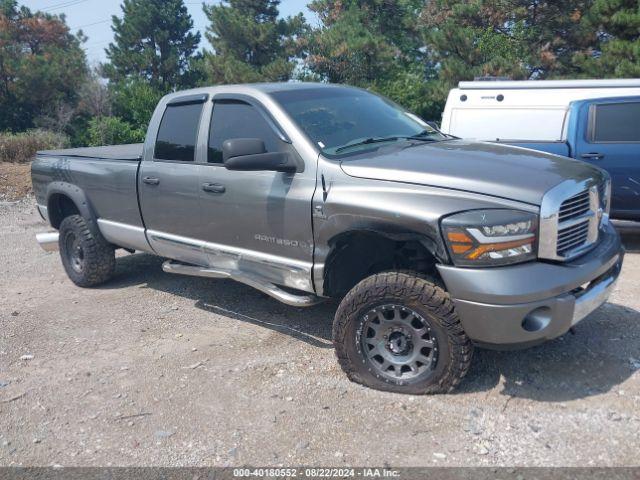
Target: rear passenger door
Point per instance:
(169, 183)
(257, 222)
(612, 142)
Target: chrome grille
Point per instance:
(572, 237)
(570, 217)
(602, 193)
(574, 207)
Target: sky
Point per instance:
(94, 18)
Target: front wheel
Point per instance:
(87, 257)
(400, 332)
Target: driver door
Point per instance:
(257, 222)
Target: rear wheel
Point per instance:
(399, 332)
(87, 257)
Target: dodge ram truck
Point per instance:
(432, 244)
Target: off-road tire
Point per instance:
(98, 261)
(421, 295)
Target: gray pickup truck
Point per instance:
(306, 191)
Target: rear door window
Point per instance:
(237, 119)
(616, 122)
(178, 132)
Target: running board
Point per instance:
(269, 288)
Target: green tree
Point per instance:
(134, 102)
(410, 89)
(112, 131)
(373, 44)
(250, 43)
(93, 102)
(518, 39)
(153, 41)
(348, 48)
(361, 41)
(42, 66)
(617, 23)
(112, 114)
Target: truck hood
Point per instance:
(498, 170)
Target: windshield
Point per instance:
(342, 120)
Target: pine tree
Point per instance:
(363, 41)
(250, 43)
(374, 44)
(153, 41)
(517, 39)
(618, 25)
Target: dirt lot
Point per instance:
(15, 181)
(167, 370)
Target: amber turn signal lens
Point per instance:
(461, 247)
(494, 247)
(459, 237)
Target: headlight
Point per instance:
(491, 237)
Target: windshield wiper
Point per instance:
(424, 133)
(418, 136)
(424, 136)
(366, 141)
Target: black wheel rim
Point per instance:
(398, 342)
(75, 252)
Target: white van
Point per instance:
(522, 110)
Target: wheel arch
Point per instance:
(356, 254)
(65, 199)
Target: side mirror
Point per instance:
(249, 154)
(433, 125)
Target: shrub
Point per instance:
(22, 147)
(113, 131)
(134, 101)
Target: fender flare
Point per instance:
(332, 249)
(434, 247)
(75, 194)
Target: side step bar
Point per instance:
(48, 241)
(267, 287)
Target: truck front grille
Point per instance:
(572, 237)
(574, 207)
(570, 218)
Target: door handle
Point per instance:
(593, 156)
(151, 180)
(213, 188)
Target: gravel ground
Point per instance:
(155, 369)
(15, 181)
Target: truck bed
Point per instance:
(101, 179)
(132, 151)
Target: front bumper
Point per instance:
(523, 305)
